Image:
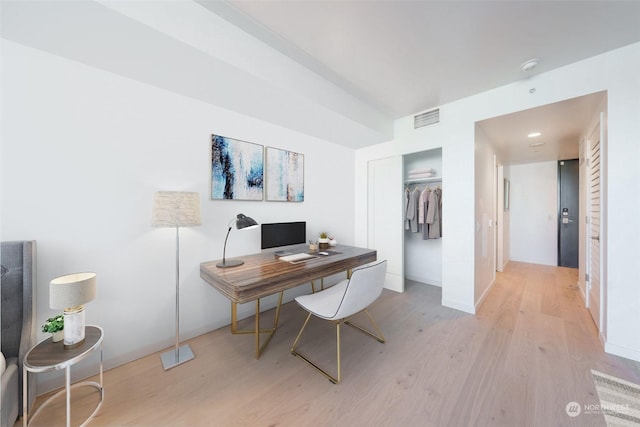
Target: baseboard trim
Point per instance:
(484, 294)
(432, 282)
(459, 306)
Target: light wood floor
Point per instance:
(525, 355)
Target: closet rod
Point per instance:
(420, 180)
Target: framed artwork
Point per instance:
(237, 169)
(285, 175)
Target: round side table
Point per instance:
(49, 356)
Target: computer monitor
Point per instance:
(283, 234)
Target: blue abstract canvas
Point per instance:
(237, 169)
(285, 175)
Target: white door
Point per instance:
(385, 217)
(594, 299)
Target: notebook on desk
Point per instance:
(297, 257)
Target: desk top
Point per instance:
(265, 274)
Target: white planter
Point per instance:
(57, 336)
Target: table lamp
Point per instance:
(242, 222)
(70, 293)
(176, 209)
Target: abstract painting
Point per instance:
(285, 175)
(237, 169)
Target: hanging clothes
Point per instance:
(433, 214)
(412, 210)
(422, 217)
(407, 197)
(439, 190)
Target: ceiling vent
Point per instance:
(427, 118)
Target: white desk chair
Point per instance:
(342, 301)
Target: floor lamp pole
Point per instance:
(182, 354)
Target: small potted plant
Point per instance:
(55, 327)
(324, 240)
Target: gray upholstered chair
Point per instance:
(17, 289)
(341, 301)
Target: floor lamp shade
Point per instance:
(70, 293)
(176, 209)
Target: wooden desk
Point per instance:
(264, 274)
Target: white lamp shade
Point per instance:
(72, 290)
(176, 209)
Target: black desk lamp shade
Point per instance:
(242, 222)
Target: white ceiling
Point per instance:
(560, 124)
(409, 56)
(404, 57)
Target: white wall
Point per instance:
(534, 213)
(83, 151)
(485, 216)
(617, 72)
(620, 235)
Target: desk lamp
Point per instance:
(70, 293)
(242, 222)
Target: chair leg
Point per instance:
(338, 350)
(331, 378)
(293, 347)
(378, 337)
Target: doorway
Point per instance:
(529, 144)
(568, 212)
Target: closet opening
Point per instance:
(423, 199)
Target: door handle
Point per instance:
(595, 238)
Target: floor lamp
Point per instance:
(176, 209)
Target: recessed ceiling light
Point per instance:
(534, 134)
(536, 144)
(529, 65)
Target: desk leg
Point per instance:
(234, 317)
(256, 329)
